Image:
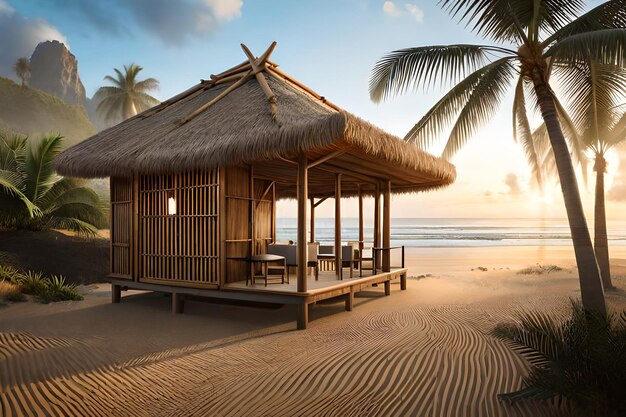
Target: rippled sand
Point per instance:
(426, 351)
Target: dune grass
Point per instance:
(14, 284)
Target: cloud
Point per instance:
(173, 22)
(391, 9)
(19, 36)
(512, 182)
(415, 11)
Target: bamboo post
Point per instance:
(302, 243)
(338, 262)
(312, 226)
(221, 210)
(387, 228)
(360, 230)
(303, 315)
(135, 221)
(116, 293)
(376, 227)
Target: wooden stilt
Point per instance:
(403, 282)
(360, 231)
(349, 301)
(312, 214)
(387, 287)
(387, 228)
(178, 303)
(303, 316)
(302, 243)
(377, 227)
(338, 262)
(116, 293)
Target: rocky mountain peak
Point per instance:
(54, 69)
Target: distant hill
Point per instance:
(32, 112)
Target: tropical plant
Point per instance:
(127, 96)
(592, 92)
(582, 358)
(533, 36)
(33, 196)
(9, 274)
(22, 69)
(32, 283)
(58, 289)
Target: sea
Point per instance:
(453, 232)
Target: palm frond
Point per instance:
(87, 213)
(591, 90)
(523, 133)
(60, 187)
(501, 20)
(148, 84)
(445, 111)
(76, 225)
(608, 15)
(11, 151)
(39, 166)
(607, 46)
(7, 184)
(144, 101)
(618, 132)
(75, 195)
(481, 105)
(405, 69)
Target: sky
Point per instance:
(329, 45)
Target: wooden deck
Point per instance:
(328, 286)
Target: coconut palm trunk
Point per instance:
(592, 292)
(600, 240)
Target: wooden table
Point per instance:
(264, 260)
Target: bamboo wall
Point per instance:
(263, 214)
(121, 227)
(249, 219)
(237, 215)
(184, 248)
(181, 248)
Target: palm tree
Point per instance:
(581, 358)
(533, 36)
(22, 69)
(127, 96)
(33, 196)
(592, 90)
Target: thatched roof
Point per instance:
(228, 121)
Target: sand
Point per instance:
(426, 351)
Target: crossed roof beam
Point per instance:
(239, 75)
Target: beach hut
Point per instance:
(195, 180)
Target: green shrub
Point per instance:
(33, 283)
(59, 290)
(582, 359)
(9, 274)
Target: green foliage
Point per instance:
(59, 290)
(47, 289)
(34, 197)
(33, 283)
(29, 111)
(9, 274)
(582, 359)
(127, 96)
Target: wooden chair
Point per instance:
(289, 252)
(311, 260)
